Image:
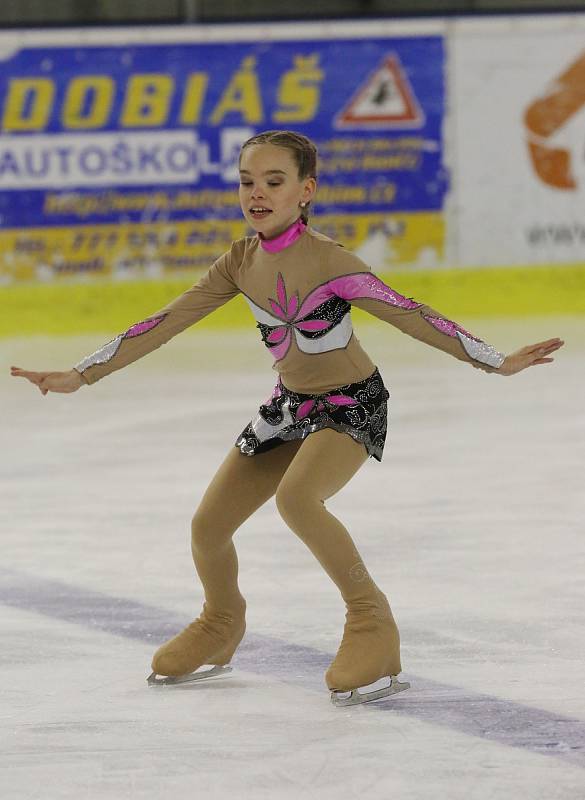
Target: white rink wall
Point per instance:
(516, 82)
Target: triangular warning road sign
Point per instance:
(384, 100)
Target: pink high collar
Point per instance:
(284, 239)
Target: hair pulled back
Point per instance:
(302, 149)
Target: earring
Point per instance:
(303, 205)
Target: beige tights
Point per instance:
(302, 475)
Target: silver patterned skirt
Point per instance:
(359, 409)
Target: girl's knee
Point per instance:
(206, 533)
(281, 498)
(294, 502)
(198, 530)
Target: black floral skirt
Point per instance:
(359, 409)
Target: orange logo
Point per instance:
(546, 116)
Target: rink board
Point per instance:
(76, 308)
(447, 141)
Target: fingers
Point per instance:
(30, 376)
(541, 361)
(33, 377)
(531, 356)
(547, 342)
(541, 349)
(549, 346)
(38, 378)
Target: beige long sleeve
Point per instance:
(214, 289)
(431, 327)
(365, 290)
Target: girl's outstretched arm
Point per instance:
(362, 288)
(214, 289)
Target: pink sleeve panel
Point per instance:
(366, 291)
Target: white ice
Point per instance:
(473, 524)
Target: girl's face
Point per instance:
(270, 188)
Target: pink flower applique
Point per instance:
(322, 401)
(287, 309)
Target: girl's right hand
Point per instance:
(63, 382)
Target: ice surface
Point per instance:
(473, 524)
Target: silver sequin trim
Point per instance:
(101, 356)
(480, 351)
(362, 437)
(387, 294)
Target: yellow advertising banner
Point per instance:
(172, 249)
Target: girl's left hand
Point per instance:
(530, 356)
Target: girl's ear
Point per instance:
(309, 190)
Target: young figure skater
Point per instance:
(326, 415)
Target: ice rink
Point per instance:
(473, 524)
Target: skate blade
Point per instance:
(354, 697)
(190, 677)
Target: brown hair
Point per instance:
(303, 151)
